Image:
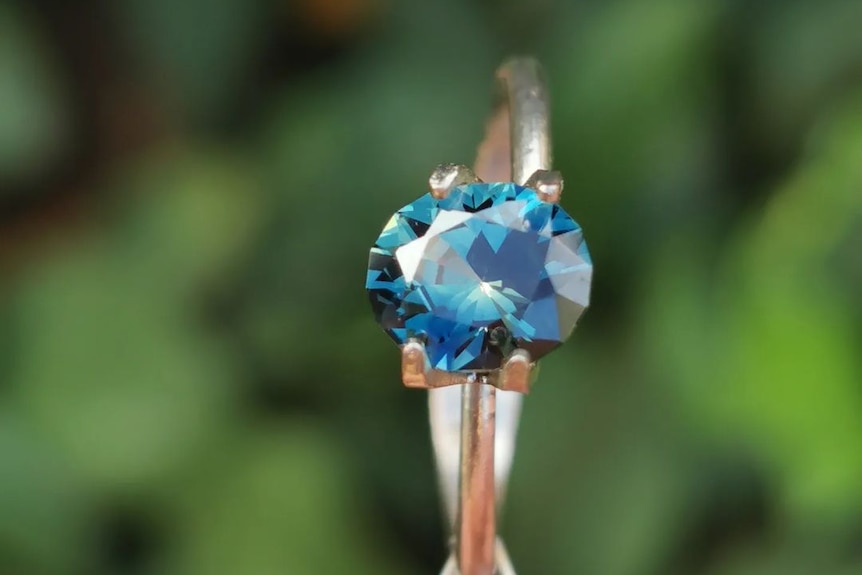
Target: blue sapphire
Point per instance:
(489, 268)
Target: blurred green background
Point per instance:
(191, 381)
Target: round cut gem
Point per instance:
(486, 269)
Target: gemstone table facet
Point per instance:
(489, 268)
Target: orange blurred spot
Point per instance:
(337, 18)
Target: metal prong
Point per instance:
(548, 184)
(413, 361)
(516, 373)
(445, 177)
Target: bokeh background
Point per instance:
(191, 381)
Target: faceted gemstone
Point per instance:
(486, 269)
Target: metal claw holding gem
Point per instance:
(477, 280)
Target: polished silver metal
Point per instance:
(445, 413)
(523, 87)
(445, 177)
(518, 136)
(476, 518)
(548, 184)
(474, 415)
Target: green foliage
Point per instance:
(33, 115)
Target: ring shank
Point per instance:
(474, 458)
(477, 512)
(517, 136)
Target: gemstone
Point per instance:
(489, 268)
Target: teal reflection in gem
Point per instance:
(489, 267)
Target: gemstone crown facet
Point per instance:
(488, 268)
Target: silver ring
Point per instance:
(476, 281)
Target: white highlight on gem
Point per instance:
(410, 256)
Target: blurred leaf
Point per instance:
(768, 355)
(798, 369)
(111, 371)
(596, 470)
(275, 501)
(43, 506)
(113, 363)
(803, 56)
(33, 122)
(633, 101)
(199, 53)
(634, 112)
(192, 216)
(789, 554)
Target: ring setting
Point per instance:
(476, 280)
